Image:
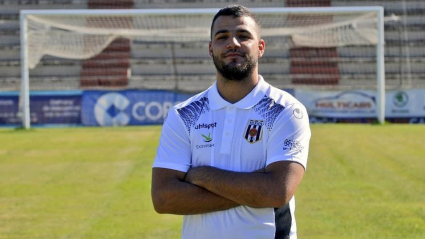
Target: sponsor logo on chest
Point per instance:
(254, 131)
(207, 139)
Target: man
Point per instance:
(231, 157)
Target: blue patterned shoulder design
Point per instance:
(269, 110)
(191, 113)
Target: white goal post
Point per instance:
(81, 34)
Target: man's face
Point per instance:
(235, 46)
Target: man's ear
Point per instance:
(261, 48)
(210, 49)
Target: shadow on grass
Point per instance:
(376, 122)
(13, 130)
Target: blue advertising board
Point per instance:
(55, 109)
(45, 108)
(147, 107)
(360, 106)
(128, 107)
(9, 108)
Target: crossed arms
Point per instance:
(207, 189)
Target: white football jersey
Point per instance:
(266, 126)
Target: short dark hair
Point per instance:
(235, 11)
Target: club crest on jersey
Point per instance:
(254, 131)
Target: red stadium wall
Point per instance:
(323, 70)
(110, 68)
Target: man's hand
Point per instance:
(195, 173)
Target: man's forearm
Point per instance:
(182, 198)
(252, 189)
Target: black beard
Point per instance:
(235, 73)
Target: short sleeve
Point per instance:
(174, 150)
(290, 136)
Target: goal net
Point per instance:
(312, 48)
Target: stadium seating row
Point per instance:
(202, 67)
(198, 83)
(11, 52)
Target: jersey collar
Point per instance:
(217, 102)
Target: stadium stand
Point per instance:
(136, 64)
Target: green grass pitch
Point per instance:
(362, 181)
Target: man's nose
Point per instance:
(233, 43)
